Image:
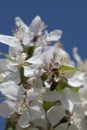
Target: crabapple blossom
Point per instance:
(42, 87)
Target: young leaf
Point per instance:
(61, 85)
(68, 71)
(48, 105)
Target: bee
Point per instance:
(53, 85)
(54, 79)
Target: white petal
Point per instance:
(27, 39)
(37, 25)
(4, 65)
(67, 99)
(14, 76)
(73, 127)
(33, 94)
(36, 83)
(14, 52)
(76, 55)
(38, 50)
(47, 85)
(54, 35)
(35, 59)
(63, 126)
(47, 56)
(71, 105)
(32, 129)
(55, 114)
(51, 96)
(77, 79)
(75, 83)
(29, 70)
(10, 41)
(7, 65)
(19, 22)
(44, 58)
(19, 128)
(7, 108)
(79, 75)
(24, 120)
(9, 89)
(83, 93)
(41, 123)
(36, 112)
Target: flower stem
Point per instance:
(10, 125)
(11, 122)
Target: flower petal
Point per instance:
(54, 35)
(10, 41)
(55, 114)
(67, 99)
(48, 55)
(63, 126)
(51, 96)
(9, 89)
(24, 120)
(41, 123)
(74, 83)
(76, 55)
(37, 25)
(7, 108)
(4, 65)
(29, 70)
(15, 52)
(19, 22)
(77, 79)
(73, 127)
(36, 112)
(14, 76)
(35, 59)
(33, 94)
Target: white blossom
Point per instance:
(38, 93)
(18, 102)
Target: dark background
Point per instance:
(68, 15)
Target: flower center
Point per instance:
(22, 105)
(76, 120)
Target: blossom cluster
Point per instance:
(43, 89)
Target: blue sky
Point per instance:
(68, 15)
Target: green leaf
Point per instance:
(74, 88)
(12, 122)
(68, 71)
(48, 105)
(61, 85)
